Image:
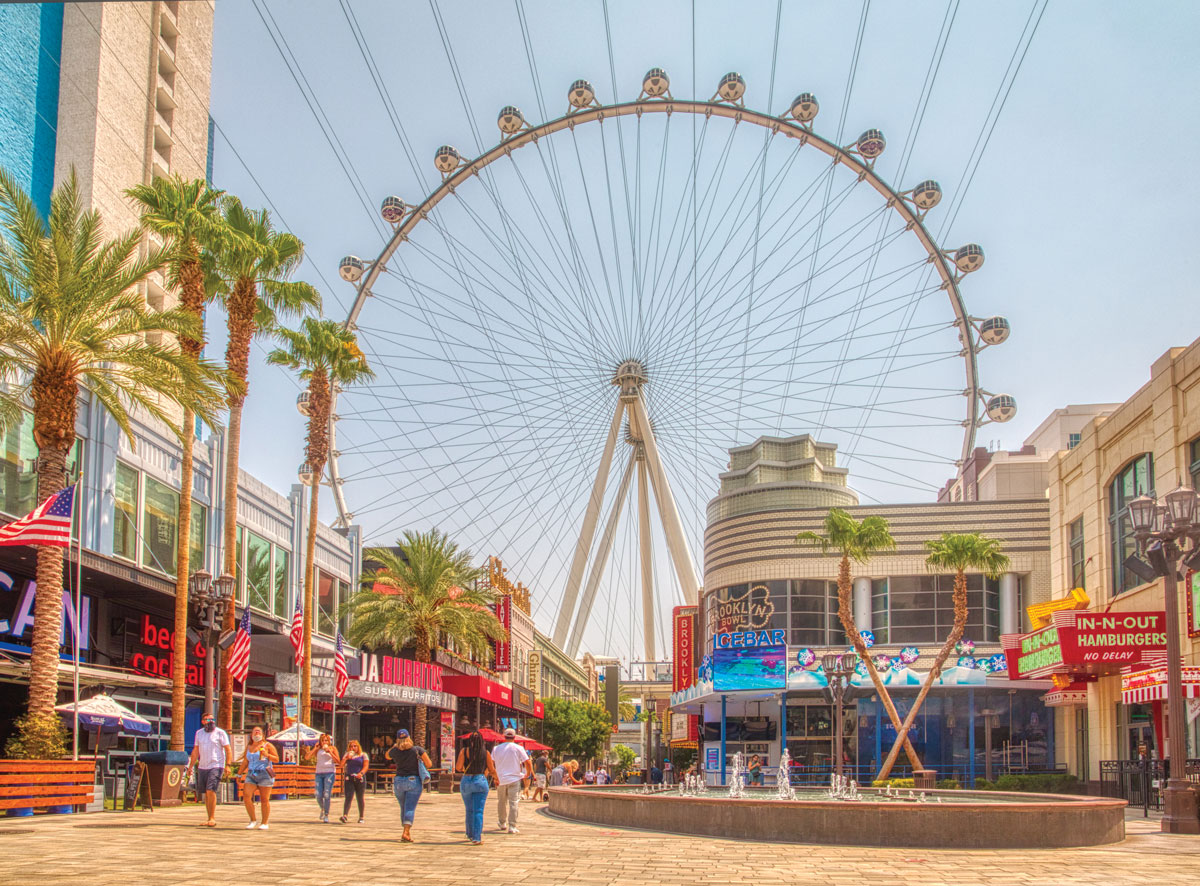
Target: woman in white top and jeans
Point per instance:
(327, 760)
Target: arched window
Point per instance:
(1136, 478)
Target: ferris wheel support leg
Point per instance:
(599, 562)
(647, 566)
(587, 533)
(681, 555)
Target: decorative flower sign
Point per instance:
(868, 638)
(882, 662)
(999, 663)
(965, 647)
(898, 664)
(806, 658)
(968, 662)
(909, 654)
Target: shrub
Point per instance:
(38, 738)
(894, 783)
(1036, 783)
(948, 784)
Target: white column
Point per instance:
(586, 533)
(647, 563)
(599, 562)
(681, 555)
(862, 603)
(1010, 605)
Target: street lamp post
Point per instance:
(838, 668)
(210, 598)
(1162, 531)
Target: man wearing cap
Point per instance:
(512, 765)
(211, 754)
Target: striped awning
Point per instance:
(1147, 684)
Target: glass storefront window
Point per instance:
(125, 494)
(258, 572)
(282, 562)
(879, 610)
(1077, 556)
(160, 527)
(198, 537)
(18, 482)
(326, 603)
(1137, 478)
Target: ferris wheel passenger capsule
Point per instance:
(656, 82)
(392, 209)
(804, 107)
(1001, 408)
(871, 144)
(447, 159)
(732, 87)
(994, 330)
(351, 268)
(510, 120)
(927, 195)
(969, 258)
(581, 94)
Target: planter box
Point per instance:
(41, 784)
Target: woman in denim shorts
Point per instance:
(257, 774)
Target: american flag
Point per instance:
(239, 658)
(50, 524)
(297, 634)
(342, 682)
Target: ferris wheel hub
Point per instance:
(630, 375)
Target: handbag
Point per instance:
(422, 771)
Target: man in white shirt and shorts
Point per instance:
(512, 765)
(211, 754)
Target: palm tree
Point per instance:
(255, 262)
(70, 318)
(857, 540)
(422, 594)
(187, 216)
(326, 354)
(959, 552)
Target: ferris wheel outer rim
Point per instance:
(737, 113)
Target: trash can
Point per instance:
(164, 771)
(925, 779)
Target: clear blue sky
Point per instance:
(1083, 200)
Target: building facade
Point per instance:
(758, 578)
(1148, 444)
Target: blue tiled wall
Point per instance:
(30, 52)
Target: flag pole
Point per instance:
(78, 502)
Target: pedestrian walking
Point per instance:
(589, 777)
(409, 759)
(256, 771)
(211, 754)
(326, 758)
(355, 766)
(541, 769)
(668, 771)
(476, 766)
(602, 776)
(512, 764)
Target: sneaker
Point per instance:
(360, 821)
(252, 825)
(513, 830)
(325, 819)
(343, 819)
(264, 827)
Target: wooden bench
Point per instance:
(40, 784)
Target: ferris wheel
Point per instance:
(614, 298)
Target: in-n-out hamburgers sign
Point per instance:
(1084, 643)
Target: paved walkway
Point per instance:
(168, 847)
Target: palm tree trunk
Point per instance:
(182, 570)
(233, 439)
(846, 614)
(192, 299)
(960, 623)
(54, 406)
(47, 624)
(421, 714)
(310, 553)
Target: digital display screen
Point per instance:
(754, 667)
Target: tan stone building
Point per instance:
(1149, 443)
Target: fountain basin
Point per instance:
(962, 820)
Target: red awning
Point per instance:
(465, 686)
(531, 744)
(490, 734)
